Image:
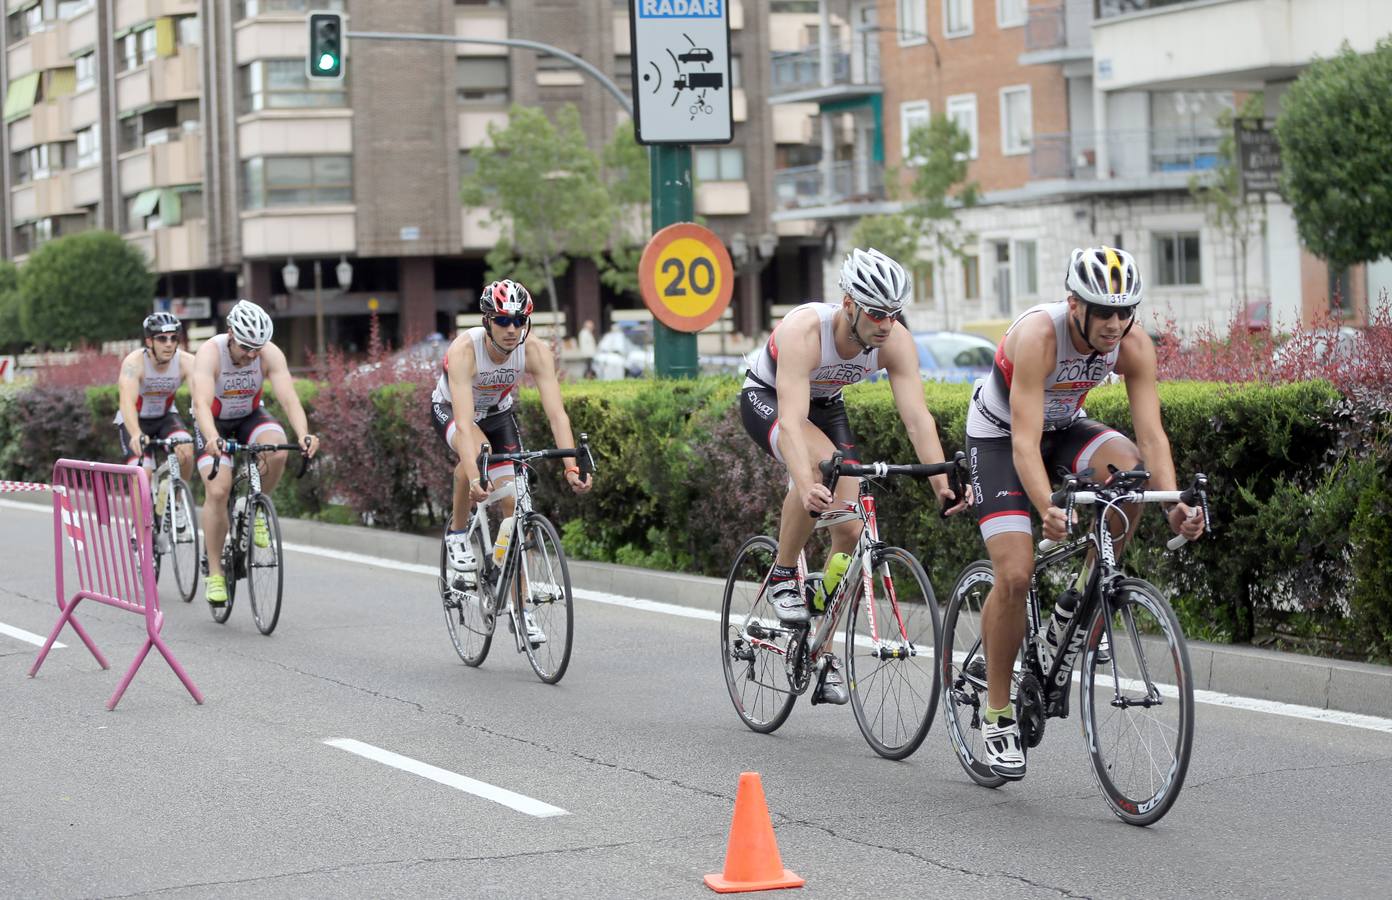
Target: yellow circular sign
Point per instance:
(372, 303)
(686, 277)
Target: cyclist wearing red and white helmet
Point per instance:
(1026, 422)
(473, 402)
(149, 377)
(791, 406)
(229, 372)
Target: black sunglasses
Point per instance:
(164, 338)
(510, 321)
(1106, 312)
(246, 349)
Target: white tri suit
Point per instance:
(237, 410)
(495, 389)
(154, 406)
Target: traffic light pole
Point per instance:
(674, 352)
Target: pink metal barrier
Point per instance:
(102, 513)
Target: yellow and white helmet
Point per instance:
(1105, 276)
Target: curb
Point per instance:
(1250, 672)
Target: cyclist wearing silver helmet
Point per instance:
(228, 375)
(149, 377)
(791, 406)
(1026, 422)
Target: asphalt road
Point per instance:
(638, 745)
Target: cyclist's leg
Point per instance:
(831, 421)
(261, 428)
(1088, 444)
(457, 439)
(216, 491)
(501, 433)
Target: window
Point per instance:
(912, 114)
(88, 146)
(719, 164)
(148, 44)
(283, 84)
(971, 277)
(957, 18)
(1185, 129)
(913, 22)
(296, 181)
(1026, 268)
(86, 68)
(250, 8)
(1177, 258)
(923, 283)
(961, 109)
(1016, 120)
(36, 162)
(189, 30)
(136, 49)
(1011, 13)
(481, 79)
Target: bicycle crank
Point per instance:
(1029, 707)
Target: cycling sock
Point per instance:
(457, 531)
(782, 573)
(1007, 711)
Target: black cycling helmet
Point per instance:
(161, 323)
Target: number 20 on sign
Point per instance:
(686, 277)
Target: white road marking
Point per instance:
(519, 802)
(1212, 698)
(27, 636)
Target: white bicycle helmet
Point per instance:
(250, 325)
(874, 281)
(1104, 276)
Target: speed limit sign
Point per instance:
(686, 277)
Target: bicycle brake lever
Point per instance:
(830, 473)
(954, 483)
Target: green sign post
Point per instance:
(674, 352)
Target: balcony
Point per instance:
(46, 123)
(135, 12)
(169, 158)
(43, 198)
(1058, 33)
(798, 76)
(1153, 45)
(82, 31)
(299, 231)
(87, 185)
(41, 50)
(1148, 157)
(84, 108)
(163, 80)
(812, 192)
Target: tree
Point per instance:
(11, 334)
(629, 181)
(926, 229)
(1230, 210)
(1335, 130)
(84, 289)
(542, 186)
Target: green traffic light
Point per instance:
(326, 62)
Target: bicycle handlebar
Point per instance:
(1122, 487)
(580, 452)
(834, 468)
(233, 447)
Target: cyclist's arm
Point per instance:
(799, 348)
(541, 365)
(1136, 362)
(131, 377)
(461, 367)
(900, 359)
(201, 386)
(278, 374)
(1033, 356)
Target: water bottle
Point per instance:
(835, 570)
(504, 538)
(161, 497)
(1064, 609)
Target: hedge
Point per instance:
(1301, 502)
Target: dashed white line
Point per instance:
(512, 800)
(28, 637)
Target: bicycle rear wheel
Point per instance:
(752, 643)
(183, 538)
(1138, 708)
(891, 639)
(470, 630)
(265, 575)
(546, 598)
(963, 666)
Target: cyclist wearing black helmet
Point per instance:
(1026, 423)
(149, 377)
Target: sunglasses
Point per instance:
(510, 321)
(1106, 312)
(876, 317)
(164, 339)
(245, 349)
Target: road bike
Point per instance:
(524, 574)
(242, 557)
(891, 630)
(175, 525)
(1135, 689)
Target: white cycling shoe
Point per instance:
(460, 554)
(1004, 753)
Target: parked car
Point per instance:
(950, 356)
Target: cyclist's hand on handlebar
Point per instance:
(1186, 520)
(310, 443)
(477, 492)
(816, 499)
(577, 484)
(1055, 524)
(948, 501)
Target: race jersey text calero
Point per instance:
(157, 389)
(1075, 372)
(831, 373)
(237, 389)
(495, 383)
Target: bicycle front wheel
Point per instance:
(470, 630)
(543, 595)
(265, 575)
(1138, 707)
(962, 661)
(891, 641)
(752, 644)
(183, 539)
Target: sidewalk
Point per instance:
(1241, 671)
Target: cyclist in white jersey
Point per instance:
(149, 377)
(229, 373)
(1026, 422)
(473, 403)
(791, 406)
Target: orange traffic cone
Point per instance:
(752, 862)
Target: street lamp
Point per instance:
(290, 274)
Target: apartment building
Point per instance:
(190, 127)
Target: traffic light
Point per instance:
(325, 45)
